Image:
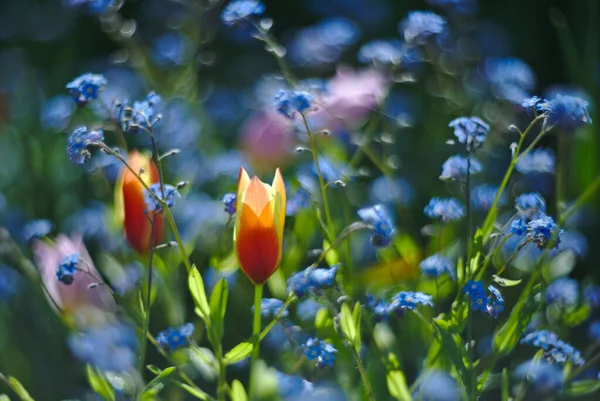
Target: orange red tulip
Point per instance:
(258, 233)
(129, 193)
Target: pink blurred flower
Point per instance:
(352, 95)
(78, 295)
(268, 138)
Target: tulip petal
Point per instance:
(279, 196)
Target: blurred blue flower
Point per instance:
(390, 191)
(380, 222)
(456, 6)
(297, 200)
(495, 302)
(436, 385)
(545, 377)
(127, 278)
(593, 331)
(292, 386)
(56, 112)
(537, 161)
(238, 11)
(436, 265)
(86, 87)
(110, 347)
(36, 229)
(321, 352)
(533, 104)
(379, 307)
(90, 222)
(563, 291)
(518, 227)
(331, 171)
(199, 215)
(270, 307)
(108, 165)
(9, 281)
(530, 205)
(172, 339)
(445, 209)
(483, 196)
(420, 26)
(311, 280)
(455, 168)
(567, 112)
(211, 277)
(229, 200)
(572, 240)
(67, 268)
(93, 7)
(542, 229)
(78, 142)
(510, 78)
(323, 43)
(410, 300)
(288, 102)
(556, 349)
(179, 126)
(391, 51)
(470, 130)
(591, 295)
(141, 115)
(307, 309)
(168, 193)
(171, 50)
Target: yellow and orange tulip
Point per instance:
(129, 193)
(258, 233)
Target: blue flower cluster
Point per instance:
(174, 338)
(493, 304)
(436, 265)
(140, 115)
(299, 199)
(530, 205)
(471, 131)
(67, 268)
(270, 307)
(483, 196)
(566, 112)
(455, 168)
(392, 51)
(110, 347)
(380, 222)
(240, 11)
(169, 193)
(421, 26)
(510, 78)
(321, 352)
(78, 142)
(556, 349)
(398, 303)
(93, 7)
(563, 292)
(446, 210)
(311, 280)
(229, 200)
(537, 161)
(546, 378)
(288, 102)
(542, 230)
(86, 87)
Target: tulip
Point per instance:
(86, 292)
(258, 233)
(129, 193)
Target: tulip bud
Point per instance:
(129, 195)
(258, 233)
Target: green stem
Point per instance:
(468, 211)
(491, 256)
(273, 46)
(148, 300)
(283, 308)
(313, 149)
(363, 373)
(258, 291)
(472, 376)
(222, 385)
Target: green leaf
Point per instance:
(322, 319)
(218, 306)
(154, 369)
(196, 392)
(4, 397)
(347, 323)
(477, 241)
(583, 387)
(504, 282)
(452, 346)
(157, 384)
(239, 352)
(488, 224)
(18, 388)
(100, 384)
(332, 257)
(356, 318)
(238, 393)
(396, 382)
(508, 336)
(196, 285)
(576, 316)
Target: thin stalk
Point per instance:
(472, 376)
(311, 139)
(148, 300)
(491, 256)
(363, 373)
(468, 207)
(258, 291)
(273, 46)
(222, 384)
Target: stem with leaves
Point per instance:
(256, 336)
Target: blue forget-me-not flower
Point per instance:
(86, 87)
(471, 131)
(78, 142)
(321, 352)
(175, 338)
(238, 11)
(67, 268)
(455, 168)
(170, 194)
(445, 209)
(380, 222)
